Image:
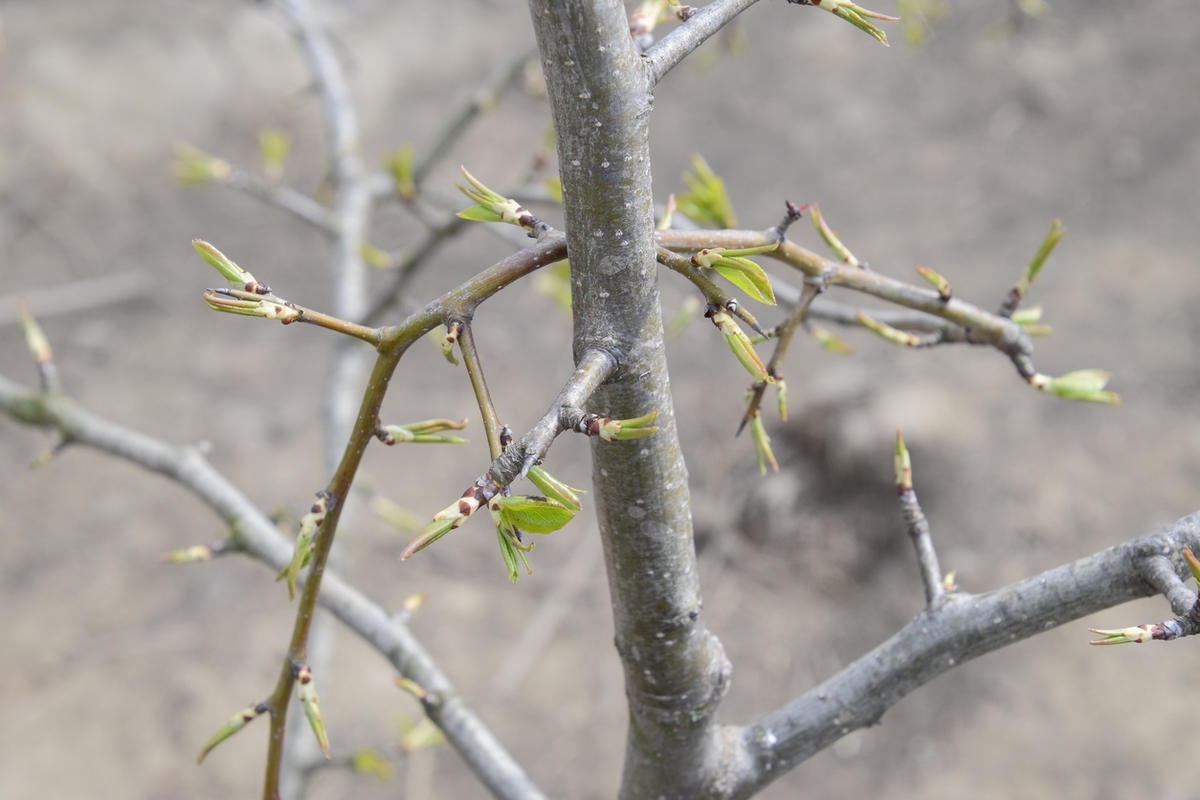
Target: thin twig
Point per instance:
(347, 220)
(483, 99)
(258, 537)
(487, 409)
(83, 295)
(918, 527)
(979, 326)
(285, 198)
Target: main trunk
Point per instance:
(675, 670)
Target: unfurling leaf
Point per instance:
(189, 555)
(35, 338)
(740, 344)
(617, 430)
(1193, 563)
(400, 165)
(428, 431)
(251, 304)
(741, 272)
(1053, 237)
(420, 735)
(831, 239)
(445, 521)
(887, 332)
(1137, 635)
(1018, 290)
(304, 542)
(781, 397)
(490, 206)
(830, 341)
(306, 691)
(854, 14)
(193, 166)
(430, 534)
(273, 148)
(235, 724)
(903, 465)
(705, 202)
(555, 489)
(936, 280)
(762, 444)
(1084, 384)
(533, 514)
(509, 554)
(238, 278)
(369, 762)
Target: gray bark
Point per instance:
(675, 669)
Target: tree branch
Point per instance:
(349, 218)
(700, 26)
(256, 535)
(962, 627)
(483, 99)
(284, 198)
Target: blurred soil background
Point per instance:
(957, 154)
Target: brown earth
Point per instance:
(957, 155)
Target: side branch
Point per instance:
(979, 326)
(256, 535)
(700, 26)
(594, 368)
(963, 627)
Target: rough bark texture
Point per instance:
(675, 670)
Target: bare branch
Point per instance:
(257, 536)
(285, 198)
(963, 627)
(484, 99)
(700, 26)
(595, 367)
(81, 295)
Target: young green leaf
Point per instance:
(273, 148)
(306, 691)
(400, 165)
(555, 489)
(1083, 384)
(533, 514)
(706, 201)
(430, 534)
(740, 344)
(747, 276)
(235, 724)
(509, 554)
(762, 445)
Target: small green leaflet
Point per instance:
(535, 514)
